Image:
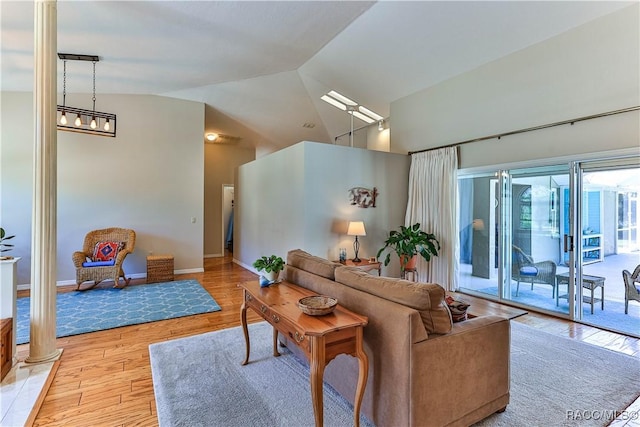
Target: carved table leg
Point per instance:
(363, 373)
(275, 343)
(317, 364)
(243, 322)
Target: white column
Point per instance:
(42, 346)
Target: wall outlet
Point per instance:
(193, 220)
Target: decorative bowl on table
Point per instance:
(317, 305)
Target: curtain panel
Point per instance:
(432, 202)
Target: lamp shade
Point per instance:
(356, 228)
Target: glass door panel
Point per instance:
(478, 225)
(608, 244)
(536, 200)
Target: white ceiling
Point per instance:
(266, 64)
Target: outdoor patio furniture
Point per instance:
(588, 282)
(524, 269)
(102, 256)
(631, 290)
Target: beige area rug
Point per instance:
(198, 381)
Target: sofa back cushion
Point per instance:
(313, 264)
(427, 298)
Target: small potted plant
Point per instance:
(408, 243)
(5, 247)
(269, 269)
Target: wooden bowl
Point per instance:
(317, 305)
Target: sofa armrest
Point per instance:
(467, 368)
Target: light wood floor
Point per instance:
(104, 378)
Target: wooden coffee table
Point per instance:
(321, 338)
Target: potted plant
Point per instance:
(5, 247)
(408, 243)
(269, 268)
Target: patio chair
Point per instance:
(631, 290)
(102, 256)
(524, 269)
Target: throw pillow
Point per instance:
(106, 251)
(457, 308)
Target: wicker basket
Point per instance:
(317, 305)
(159, 268)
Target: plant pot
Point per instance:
(408, 264)
(271, 276)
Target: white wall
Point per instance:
(591, 69)
(298, 198)
(149, 178)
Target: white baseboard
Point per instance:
(213, 255)
(189, 270)
(27, 286)
(248, 267)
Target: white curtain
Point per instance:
(432, 202)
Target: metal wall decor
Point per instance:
(79, 119)
(363, 197)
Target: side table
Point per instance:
(364, 265)
(159, 268)
(321, 338)
(588, 282)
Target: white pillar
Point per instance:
(42, 346)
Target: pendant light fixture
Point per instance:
(87, 121)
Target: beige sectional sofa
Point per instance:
(424, 370)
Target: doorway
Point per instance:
(227, 218)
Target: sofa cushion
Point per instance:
(313, 264)
(427, 298)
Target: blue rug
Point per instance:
(612, 317)
(80, 312)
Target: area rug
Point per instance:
(612, 317)
(555, 381)
(97, 309)
(199, 381)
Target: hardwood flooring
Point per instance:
(104, 378)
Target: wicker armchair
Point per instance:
(523, 269)
(97, 274)
(631, 290)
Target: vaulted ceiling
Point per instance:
(266, 64)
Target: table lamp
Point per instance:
(356, 228)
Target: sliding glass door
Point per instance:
(528, 236)
(606, 243)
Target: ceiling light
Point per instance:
(352, 108)
(212, 136)
(369, 113)
(342, 98)
(87, 121)
(362, 117)
(334, 102)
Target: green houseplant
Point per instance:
(409, 242)
(5, 247)
(269, 267)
